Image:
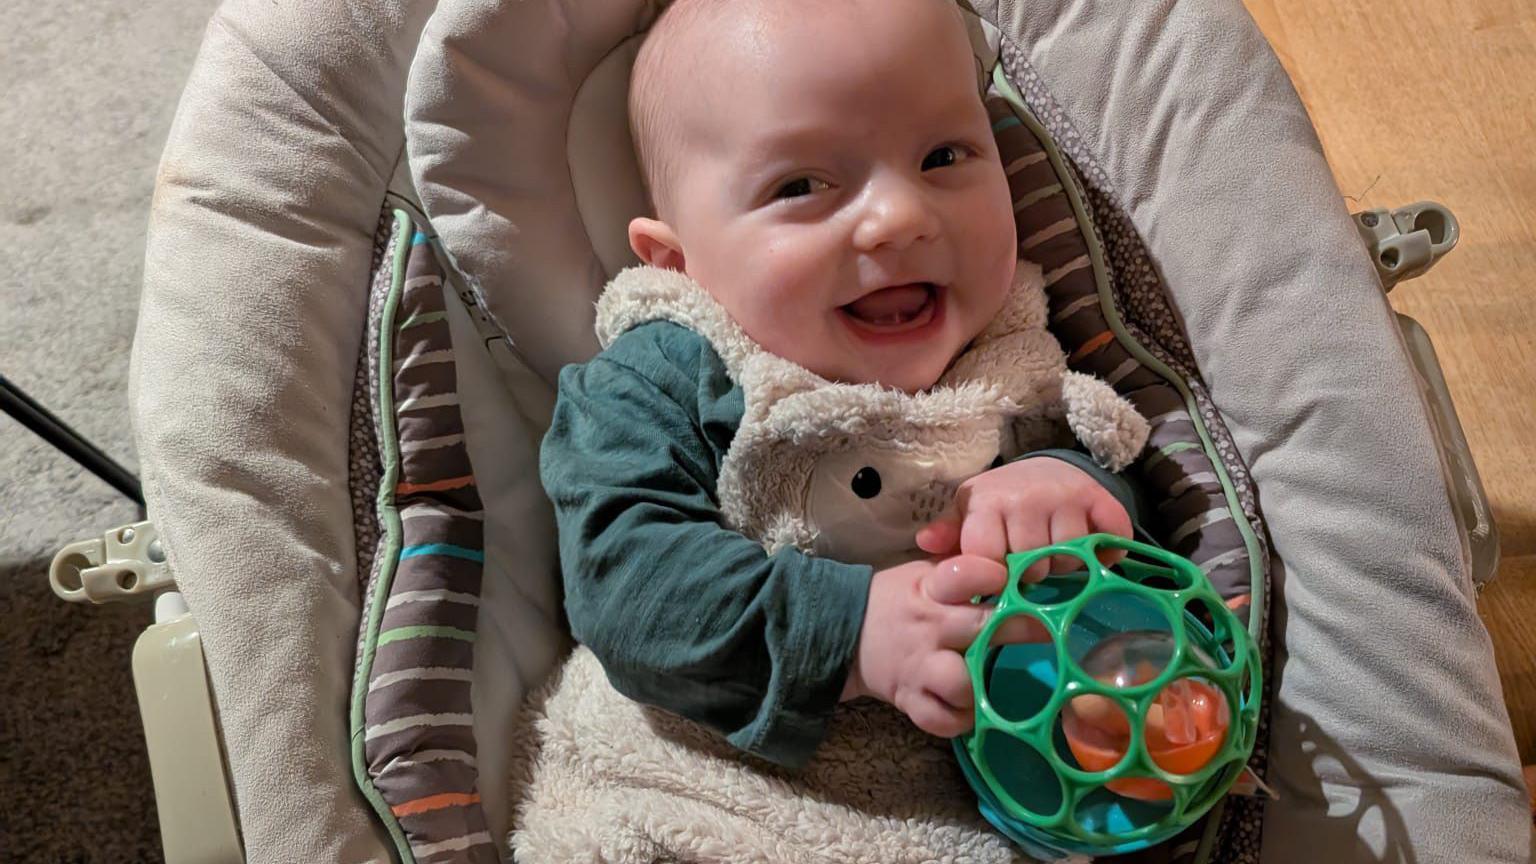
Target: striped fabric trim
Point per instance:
(432, 595)
(428, 803)
(422, 403)
(425, 631)
(1175, 463)
(418, 721)
(1209, 517)
(457, 844)
(445, 485)
(1085, 302)
(1222, 560)
(423, 319)
(1050, 231)
(1167, 450)
(1035, 197)
(439, 674)
(422, 510)
(423, 358)
(1023, 162)
(444, 756)
(1122, 372)
(430, 443)
(447, 549)
(419, 767)
(1076, 265)
(1183, 484)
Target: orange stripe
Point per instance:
(436, 802)
(436, 486)
(1093, 345)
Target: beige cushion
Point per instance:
(260, 242)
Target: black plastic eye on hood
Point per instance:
(866, 483)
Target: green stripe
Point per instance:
(425, 631)
(1168, 450)
(389, 517)
(423, 318)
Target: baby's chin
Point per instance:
(909, 377)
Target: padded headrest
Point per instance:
(517, 131)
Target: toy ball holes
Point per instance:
(1023, 774)
(1112, 611)
(1054, 589)
(1183, 726)
(1038, 585)
(1150, 572)
(1109, 814)
(1020, 671)
(1219, 631)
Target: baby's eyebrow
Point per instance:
(782, 140)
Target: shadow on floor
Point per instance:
(74, 776)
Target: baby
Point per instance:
(826, 171)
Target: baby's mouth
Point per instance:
(895, 309)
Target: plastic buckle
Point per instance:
(125, 563)
(1406, 242)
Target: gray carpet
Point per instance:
(89, 91)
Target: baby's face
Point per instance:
(837, 187)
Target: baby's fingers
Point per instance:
(956, 580)
(1027, 531)
(1109, 516)
(944, 675)
(941, 536)
(1067, 523)
(929, 713)
(983, 533)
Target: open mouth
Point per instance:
(898, 309)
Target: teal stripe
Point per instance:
(446, 549)
(418, 238)
(425, 631)
(423, 318)
(1006, 123)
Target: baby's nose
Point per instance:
(897, 215)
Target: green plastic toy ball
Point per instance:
(1125, 727)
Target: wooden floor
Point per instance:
(1428, 99)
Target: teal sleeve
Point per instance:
(1118, 485)
(682, 612)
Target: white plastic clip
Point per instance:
(1406, 242)
(123, 564)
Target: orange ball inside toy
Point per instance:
(1185, 725)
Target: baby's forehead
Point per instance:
(725, 35)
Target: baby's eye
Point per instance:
(799, 188)
(942, 157)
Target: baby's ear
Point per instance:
(656, 244)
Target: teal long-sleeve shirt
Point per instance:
(682, 612)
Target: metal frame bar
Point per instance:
(15, 402)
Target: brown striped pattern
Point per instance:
(418, 736)
(1191, 516)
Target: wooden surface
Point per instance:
(1425, 99)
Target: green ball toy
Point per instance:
(1129, 723)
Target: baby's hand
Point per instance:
(1023, 506)
(918, 621)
